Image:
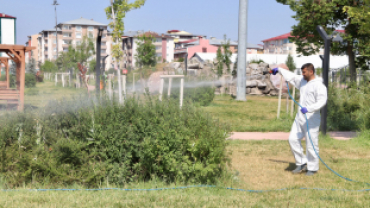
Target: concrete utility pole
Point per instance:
(242, 50)
(116, 61)
(55, 4)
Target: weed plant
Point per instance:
(89, 142)
(349, 109)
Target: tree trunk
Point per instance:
(352, 64)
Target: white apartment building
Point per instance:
(52, 42)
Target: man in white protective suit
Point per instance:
(313, 96)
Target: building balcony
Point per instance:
(181, 50)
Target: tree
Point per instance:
(220, 62)
(116, 12)
(360, 15)
(84, 52)
(67, 59)
(31, 66)
(227, 53)
(330, 15)
(290, 63)
(235, 69)
(48, 66)
(146, 52)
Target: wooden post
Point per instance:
(56, 79)
(292, 107)
(161, 89)
(133, 81)
(181, 91)
(124, 85)
(280, 91)
(287, 103)
(169, 87)
(7, 76)
(63, 80)
(22, 80)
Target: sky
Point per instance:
(266, 18)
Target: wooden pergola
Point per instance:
(17, 54)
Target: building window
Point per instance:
(66, 42)
(78, 42)
(103, 43)
(90, 28)
(54, 41)
(204, 50)
(159, 55)
(78, 28)
(65, 49)
(55, 57)
(78, 35)
(53, 33)
(159, 40)
(158, 48)
(90, 35)
(103, 51)
(67, 35)
(66, 27)
(55, 49)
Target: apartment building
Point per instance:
(164, 47)
(181, 36)
(7, 30)
(53, 41)
(193, 46)
(282, 45)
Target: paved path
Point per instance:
(284, 135)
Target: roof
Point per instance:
(141, 32)
(189, 41)
(280, 37)
(212, 56)
(2, 15)
(287, 35)
(83, 21)
(52, 30)
(220, 42)
(257, 46)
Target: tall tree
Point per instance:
(360, 15)
(146, 54)
(227, 53)
(290, 63)
(220, 62)
(330, 15)
(31, 66)
(116, 12)
(67, 59)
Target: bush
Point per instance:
(30, 80)
(349, 109)
(256, 61)
(181, 59)
(89, 143)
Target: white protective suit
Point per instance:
(313, 96)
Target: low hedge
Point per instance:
(83, 142)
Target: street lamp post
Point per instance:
(98, 58)
(325, 66)
(242, 50)
(55, 4)
(103, 70)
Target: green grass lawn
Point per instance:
(255, 165)
(257, 114)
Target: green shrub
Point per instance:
(30, 80)
(256, 61)
(349, 109)
(89, 143)
(181, 59)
